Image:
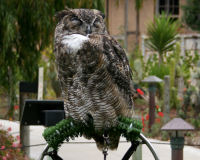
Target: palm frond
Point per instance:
(162, 34)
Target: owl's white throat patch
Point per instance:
(74, 42)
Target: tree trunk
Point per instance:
(126, 24)
(11, 100)
(160, 58)
(11, 94)
(137, 26)
(166, 108)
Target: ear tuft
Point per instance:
(99, 13)
(59, 15)
(102, 14)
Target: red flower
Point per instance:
(161, 114)
(158, 108)
(140, 91)
(158, 120)
(14, 145)
(16, 107)
(147, 117)
(143, 129)
(4, 158)
(2, 147)
(143, 123)
(18, 137)
(142, 119)
(9, 129)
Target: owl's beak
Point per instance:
(88, 30)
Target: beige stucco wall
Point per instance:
(182, 2)
(116, 18)
(146, 14)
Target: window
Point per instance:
(170, 7)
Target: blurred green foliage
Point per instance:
(168, 61)
(162, 35)
(191, 14)
(26, 28)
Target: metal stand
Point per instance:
(146, 141)
(131, 150)
(106, 143)
(44, 152)
(53, 154)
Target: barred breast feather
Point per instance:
(95, 78)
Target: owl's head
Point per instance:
(81, 21)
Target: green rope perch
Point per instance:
(69, 129)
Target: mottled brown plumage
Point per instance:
(93, 70)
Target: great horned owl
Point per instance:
(93, 70)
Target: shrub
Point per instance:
(10, 147)
(162, 35)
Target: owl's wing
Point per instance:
(118, 67)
